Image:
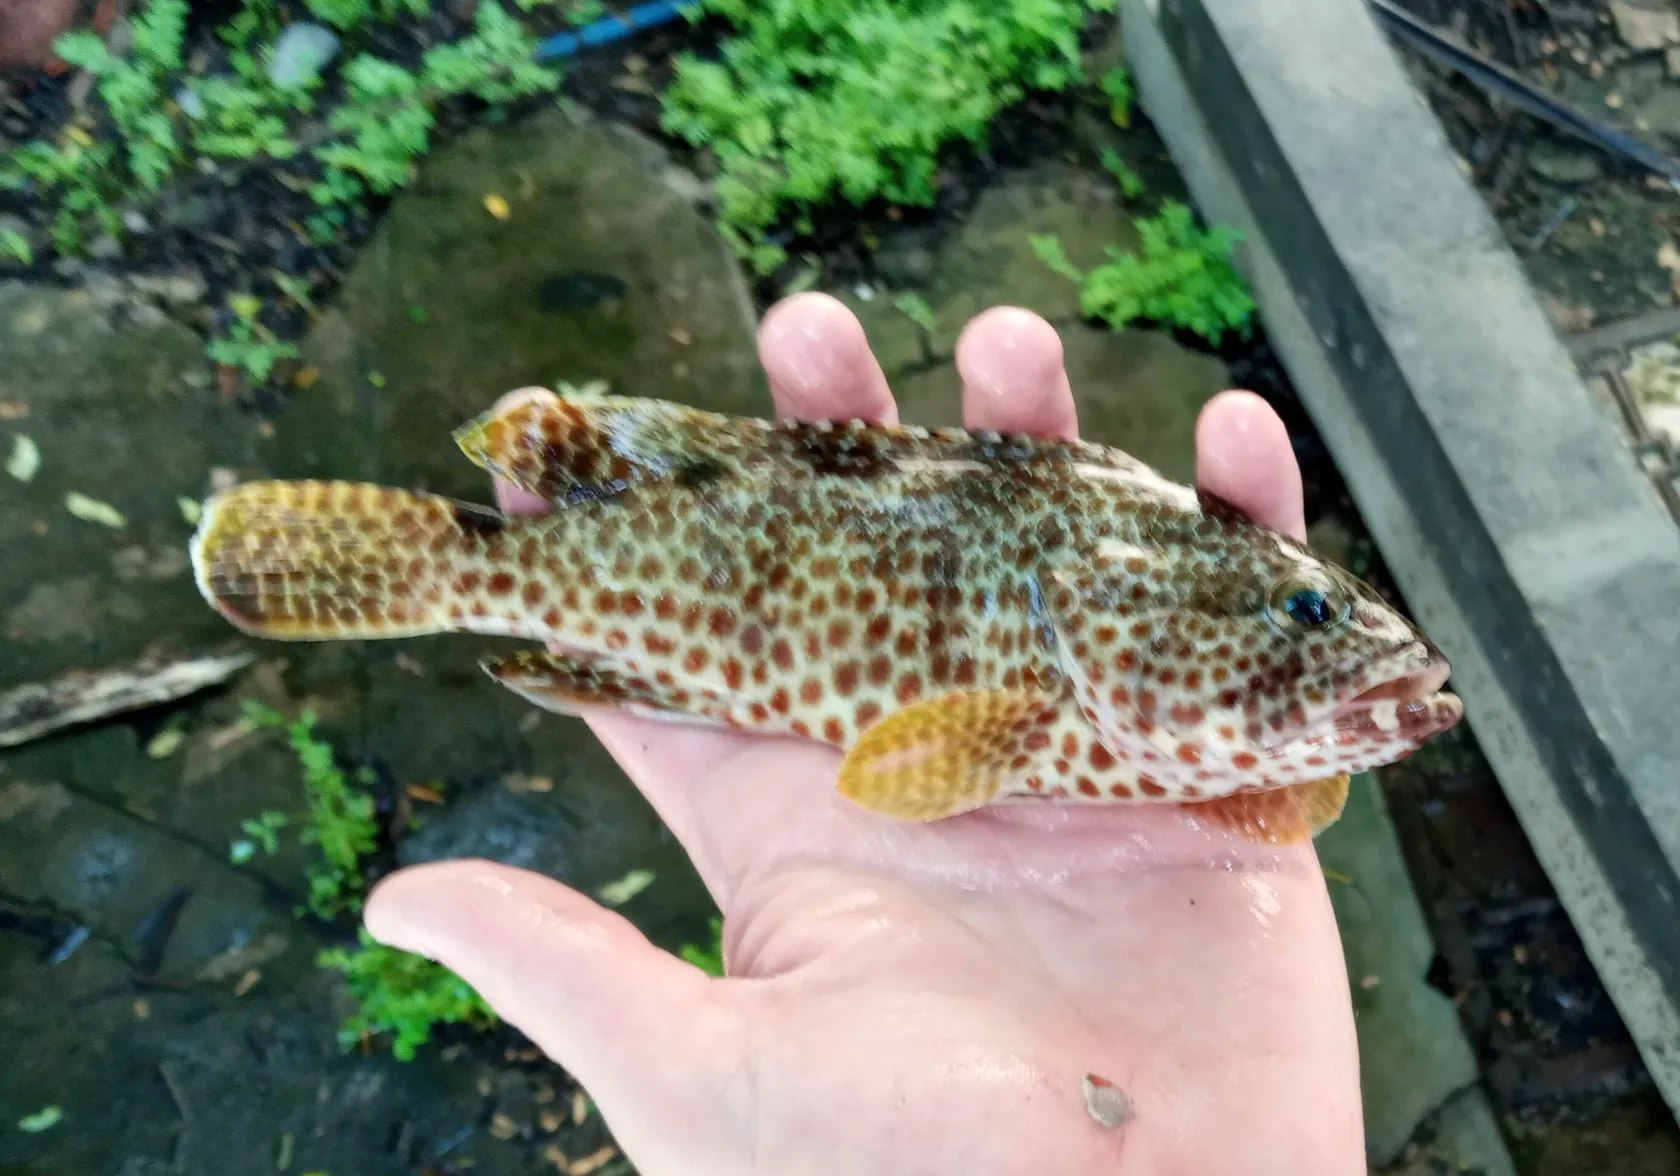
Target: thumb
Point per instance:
(641, 1030)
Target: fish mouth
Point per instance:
(1409, 707)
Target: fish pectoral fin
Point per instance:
(943, 756)
(1279, 816)
(571, 685)
(590, 446)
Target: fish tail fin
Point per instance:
(310, 560)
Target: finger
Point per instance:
(1243, 455)
(510, 498)
(1014, 379)
(639, 1028)
(819, 362)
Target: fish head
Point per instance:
(1230, 658)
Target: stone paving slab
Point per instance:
(1512, 514)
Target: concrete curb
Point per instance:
(1518, 524)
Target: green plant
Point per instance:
(160, 124)
(402, 994)
(1117, 84)
(915, 308)
(1131, 184)
(345, 14)
(249, 344)
(15, 244)
(387, 123)
(1182, 277)
(814, 99)
(708, 959)
(84, 177)
(264, 830)
(339, 820)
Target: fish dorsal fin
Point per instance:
(1278, 816)
(585, 445)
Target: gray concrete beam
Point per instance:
(1513, 516)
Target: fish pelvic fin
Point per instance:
(305, 560)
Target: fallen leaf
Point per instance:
(1669, 257)
(247, 982)
(680, 336)
(497, 206)
(243, 959)
(1369, 982)
(1337, 876)
(190, 510)
(92, 510)
(595, 1159)
(142, 1009)
(628, 887)
(165, 743)
(13, 410)
(429, 795)
(41, 1120)
(306, 377)
(25, 459)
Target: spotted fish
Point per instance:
(972, 618)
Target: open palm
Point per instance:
(924, 1000)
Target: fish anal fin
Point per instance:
(569, 685)
(1278, 816)
(945, 755)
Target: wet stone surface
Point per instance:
(167, 1001)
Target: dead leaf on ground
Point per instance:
(243, 959)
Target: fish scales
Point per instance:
(972, 617)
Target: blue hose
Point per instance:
(612, 28)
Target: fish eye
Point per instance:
(1300, 605)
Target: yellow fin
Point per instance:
(310, 560)
(944, 755)
(1279, 816)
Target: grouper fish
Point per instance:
(972, 618)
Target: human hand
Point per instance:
(926, 1000)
